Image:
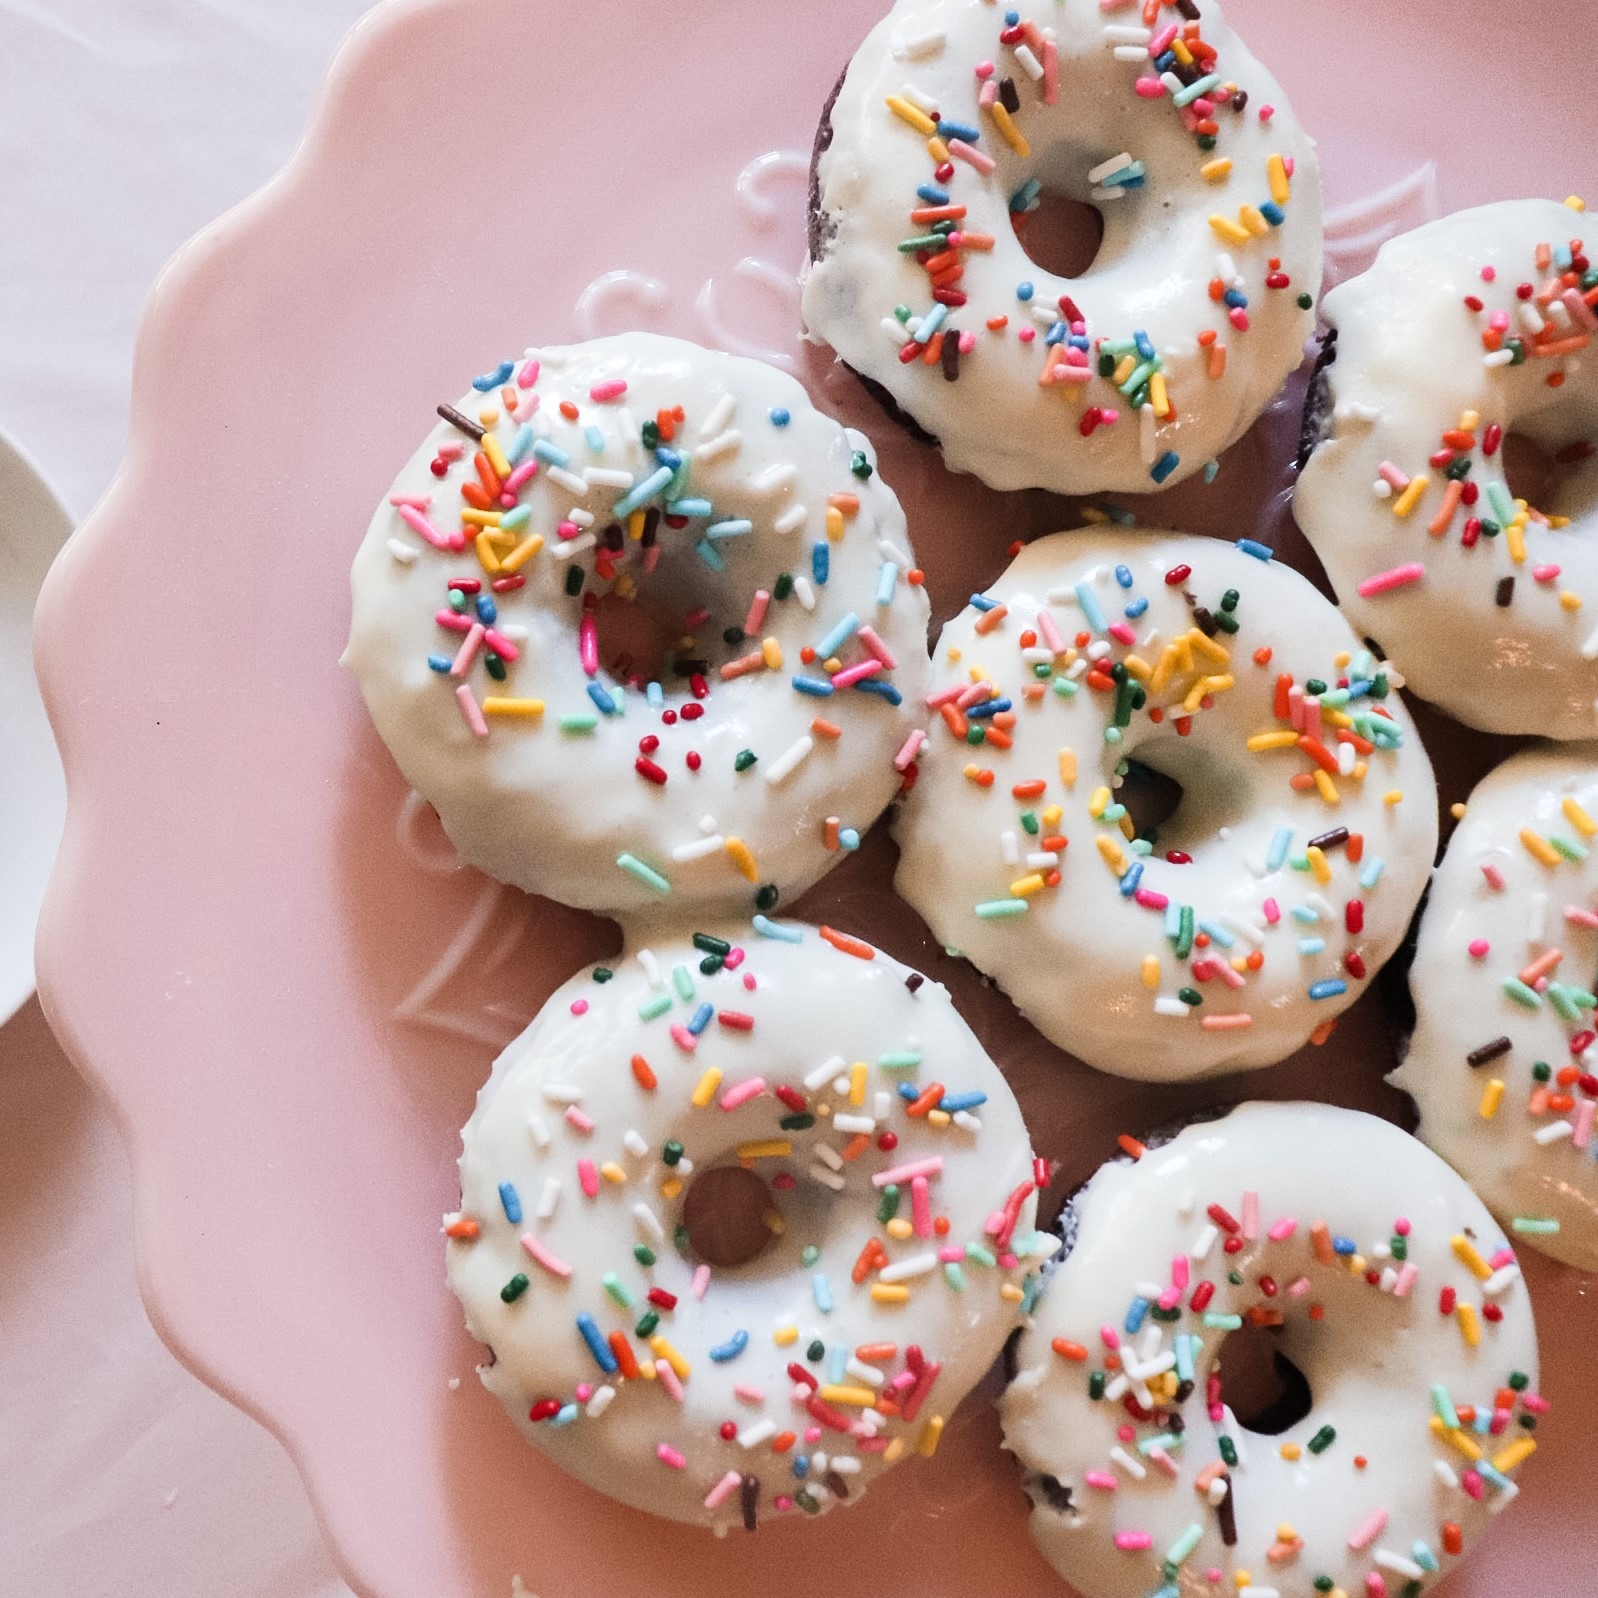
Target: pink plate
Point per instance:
(265, 956)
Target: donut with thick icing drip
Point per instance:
(1098, 671)
(1501, 1062)
(952, 120)
(884, 1151)
(1164, 1455)
(1463, 333)
(644, 626)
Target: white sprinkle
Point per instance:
(846, 1464)
(1217, 1491)
(626, 424)
(1029, 62)
(921, 45)
(1115, 192)
(804, 593)
(549, 1198)
(882, 1103)
(1352, 411)
(923, 102)
(1133, 1467)
(913, 1265)
(580, 517)
(1130, 52)
(1098, 173)
(1552, 1133)
(828, 1155)
(562, 1093)
(566, 548)
(699, 848)
(1116, 1388)
(1249, 931)
(1165, 1004)
(823, 1073)
(633, 1141)
(788, 761)
(719, 445)
(514, 630)
(1589, 650)
(791, 519)
(606, 477)
(966, 1121)
(1388, 1560)
(1041, 859)
(1498, 358)
(776, 476)
(826, 1178)
(1009, 848)
(651, 965)
(1501, 1280)
(1038, 656)
(540, 1132)
(601, 1401)
(754, 1436)
(570, 481)
(1530, 317)
(1445, 1473)
(407, 554)
(869, 1374)
(648, 1221)
(1124, 33)
(896, 330)
(717, 417)
(854, 1123)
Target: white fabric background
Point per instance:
(125, 125)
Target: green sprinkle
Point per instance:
(809, 1254)
(1065, 688)
(579, 721)
(859, 465)
(613, 1286)
(1228, 1449)
(904, 1060)
(709, 945)
(657, 1004)
(514, 1288)
(1521, 994)
(797, 1123)
(634, 867)
(817, 1350)
(1096, 1384)
(682, 981)
(1322, 1440)
(647, 1324)
(1029, 822)
(995, 909)
(643, 1254)
(1534, 1225)
(888, 1206)
(783, 586)
(603, 973)
(1225, 1323)
(766, 896)
(744, 759)
(710, 965)
(1519, 1381)
(1184, 932)
(1542, 1071)
(494, 666)
(954, 1276)
(1190, 996)
(1306, 302)
(982, 1256)
(672, 1152)
(807, 1502)
(575, 577)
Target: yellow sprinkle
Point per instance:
(1214, 171)
(1410, 498)
(496, 456)
(1254, 220)
(1204, 645)
(663, 1350)
(1286, 739)
(635, 524)
(1052, 817)
(480, 518)
(612, 1172)
(1010, 1293)
(1096, 803)
(488, 416)
(1468, 421)
(927, 1445)
(784, 1336)
(771, 653)
(914, 115)
(1289, 1451)
(738, 853)
(1569, 600)
(1025, 887)
(496, 706)
(1575, 202)
(1157, 395)
(522, 553)
(486, 555)
(705, 1090)
(1326, 787)
(1578, 818)
(1492, 1096)
(857, 1397)
(1011, 134)
(857, 1082)
(1465, 1252)
(937, 149)
(835, 519)
(899, 1228)
(771, 1148)
(890, 1292)
(1518, 1451)
(1137, 666)
(1068, 767)
(1128, 828)
(646, 1369)
(1515, 541)
(774, 1223)
(939, 1118)
(1242, 1579)
(894, 1450)
(1318, 864)
(1457, 810)
(1538, 848)
(1163, 669)
(1181, 51)
(671, 1187)
(1276, 171)
(1206, 686)
(1469, 1326)
(1227, 229)
(1111, 851)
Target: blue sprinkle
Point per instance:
(1277, 853)
(818, 687)
(685, 507)
(779, 413)
(602, 699)
(493, 379)
(511, 1199)
(645, 488)
(985, 708)
(1305, 915)
(734, 527)
(961, 1101)
(710, 555)
(909, 1092)
(1130, 879)
(732, 1348)
(656, 695)
(1021, 198)
(887, 577)
(700, 1019)
(932, 194)
(801, 1466)
(848, 839)
(1056, 334)
(1250, 546)
(1145, 345)
(1236, 298)
(1011, 18)
(843, 630)
(550, 454)
(1344, 1246)
(883, 690)
(1272, 212)
(519, 445)
(595, 439)
(1211, 471)
(775, 929)
(1164, 62)
(1024, 292)
(931, 322)
(982, 602)
(1311, 945)
(1089, 601)
(1217, 933)
(959, 130)
(1328, 989)
(1372, 872)
(487, 610)
(440, 663)
(1165, 465)
(563, 1416)
(668, 456)
(1136, 608)
(820, 562)
(822, 1289)
(1123, 575)
(597, 1346)
(837, 1362)
(1135, 1315)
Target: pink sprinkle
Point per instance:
(971, 155)
(1180, 1272)
(1499, 321)
(1051, 633)
(742, 1092)
(953, 1253)
(1545, 574)
(988, 94)
(869, 640)
(1405, 1279)
(701, 1281)
(683, 1038)
(1251, 1216)
(1101, 1479)
(1122, 633)
(1164, 1461)
(420, 525)
(1479, 947)
(1585, 1110)
(920, 1206)
(1495, 877)
(524, 473)
(898, 1175)
(1051, 72)
(584, 1392)
(1367, 1530)
(968, 342)
(1027, 334)
(528, 374)
(415, 501)
(984, 70)
(1397, 577)
(783, 1503)
(1128, 1541)
(1579, 917)
(1161, 42)
(1149, 899)
(908, 750)
(1150, 89)
(1283, 1230)
(1489, 274)
(588, 1176)
(452, 451)
(1273, 911)
(723, 1489)
(501, 645)
(1109, 1337)
(1289, 162)
(454, 621)
(1295, 707)
(1535, 1402)
(1375, 1584)
(1402, 1226)
(600, 393)
(471, 710)
(1472, 1483)
(668, 1455)
(551, 1262)
(588, 642)
(745, 1394)
(469, 647)
(1393, 477)
(1267, 112)
(1238, 317)
(850, 675)
(1500, 1258)
(812, 1434)
(574, 1116)
(1299, 1287)
(669, 1380)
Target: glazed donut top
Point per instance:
(1391, 1291)
(900, 1185)
(1286, 875)
(953, 118)
(584, 510)
(1464, 331)
(1503, 1057)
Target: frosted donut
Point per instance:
(952, 119)
(1342, 1239)
(895, 1179)
(1286, 875)
(1464, 331)
(630, 492)
(1502, 1060)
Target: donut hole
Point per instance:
(1151, 798)
(1060, 233)
(725, 1212)
(1179, 796)
(1540, 470)
(1262, 1387)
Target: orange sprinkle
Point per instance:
(847, 503)
(1130, 1145)
(783, 1441)
(645, 1076)
(465, 1228)
(997, 738)
(568, 410)
(1027, 790)
(989, 619)
(842, 942)
(1069, 1350)
(1323, 1032)
(856, 1146)
(954, 718)
(823, 728)
(625, 1358)
(926, 1100)
(876, 1353)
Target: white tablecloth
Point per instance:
(125, 125)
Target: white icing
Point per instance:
(1410, 362)
(1540, 1165)
(550, 810)
(1371, 1360)
(816, 1011)
(1152, 272)
(1073, 960)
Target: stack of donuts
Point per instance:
(746, 1213)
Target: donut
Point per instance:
(958, 119)
(1464, 332)
(1098, 671)
(639, 621)
(1289, 1352)
(866, 1246)
(1502, 1060)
